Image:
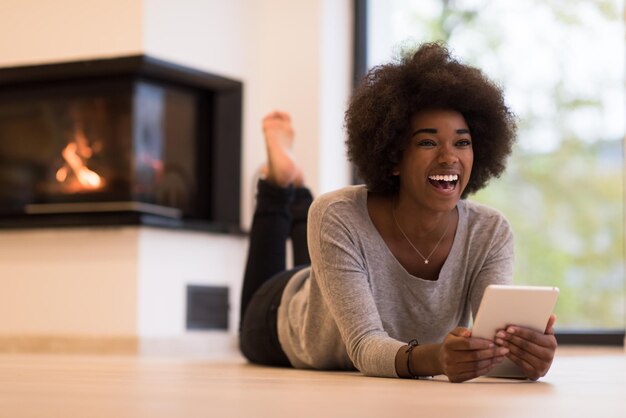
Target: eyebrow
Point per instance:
(434, 131)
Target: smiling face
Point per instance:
(437, 162)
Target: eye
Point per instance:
(464, 143)
(426, 143)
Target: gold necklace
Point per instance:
(393, 213)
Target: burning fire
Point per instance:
(75, 174)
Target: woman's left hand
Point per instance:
(530, 350)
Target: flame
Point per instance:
(75, 174)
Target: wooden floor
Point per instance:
(582, 383)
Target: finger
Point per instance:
(462, 341)
(460, 362)
(528, 357)
(475, 356)
(464, 376)
(468, 367)
(524, 336)
(536, 363)
(532, 353)
(530, 371)
(461, 332)
(550, 327)
(469, 344)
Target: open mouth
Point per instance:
(444, 182)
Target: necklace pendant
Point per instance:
(393, 215)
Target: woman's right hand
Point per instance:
(463, 358)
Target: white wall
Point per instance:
(335, 71)
(38, 31)
(68, 282)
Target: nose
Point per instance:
(447, 155)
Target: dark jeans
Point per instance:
(280, 213)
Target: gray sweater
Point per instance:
(356, 306)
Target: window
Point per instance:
(561, 65)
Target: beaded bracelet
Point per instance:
(412, 344)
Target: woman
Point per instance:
(402, 259)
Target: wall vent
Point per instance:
(207, 307)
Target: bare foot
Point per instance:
(281, 166)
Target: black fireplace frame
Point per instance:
(222, 128)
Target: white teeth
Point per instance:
(451, 177)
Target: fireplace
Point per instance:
(130, 140)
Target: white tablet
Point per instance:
(504, 305)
